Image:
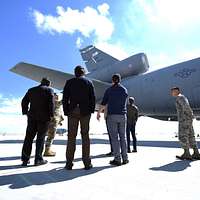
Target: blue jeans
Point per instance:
(111, 149)
(131, 129)
(117, 130)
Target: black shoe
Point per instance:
(109, 154)
(25, 163)
(134, 151)
(196, 156)
(115, 162)
(68, 166)
(129, 151)
(125, 162)
(87, 167)
(40, 162)
(184, 157)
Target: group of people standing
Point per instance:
(42, 107)
(78, 104)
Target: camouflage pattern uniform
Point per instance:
(185, 117)
(56, 120)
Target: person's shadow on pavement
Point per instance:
(16, 181)
(175, 166)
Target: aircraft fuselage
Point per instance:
(152, 90)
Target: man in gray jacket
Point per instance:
(186, 132)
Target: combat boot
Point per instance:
(48, 152)
(196, 155)
(185, 156)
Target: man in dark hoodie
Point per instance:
(132, 117)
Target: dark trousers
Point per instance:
(73, 122)
(111, 148)
(130, 129)
(34, 128)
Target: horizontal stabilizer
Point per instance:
(58, 78)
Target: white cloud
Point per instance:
(115, 50)
(173, 13)
(11, 118)
(87, 22)
(188, 55)
(79, 42)
(161, 60)
(103, 9)
(10, 105)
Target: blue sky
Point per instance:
(49, 33)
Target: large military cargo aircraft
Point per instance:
(150, 89)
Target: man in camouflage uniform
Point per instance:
(54, 123)
(186, 132)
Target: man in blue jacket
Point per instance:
(115, 98)
(78, 104)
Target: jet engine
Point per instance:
(132, 66)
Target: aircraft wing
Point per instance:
(58, 78)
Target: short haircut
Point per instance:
(175, 88)
(116, 78)
(131, 100)
(45, 81)
(79, 71)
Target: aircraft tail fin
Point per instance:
(95, 58)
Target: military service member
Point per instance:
(54, 123)
(186, 132)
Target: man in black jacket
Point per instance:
(78, 104)
(41, 100)
(132, 117)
